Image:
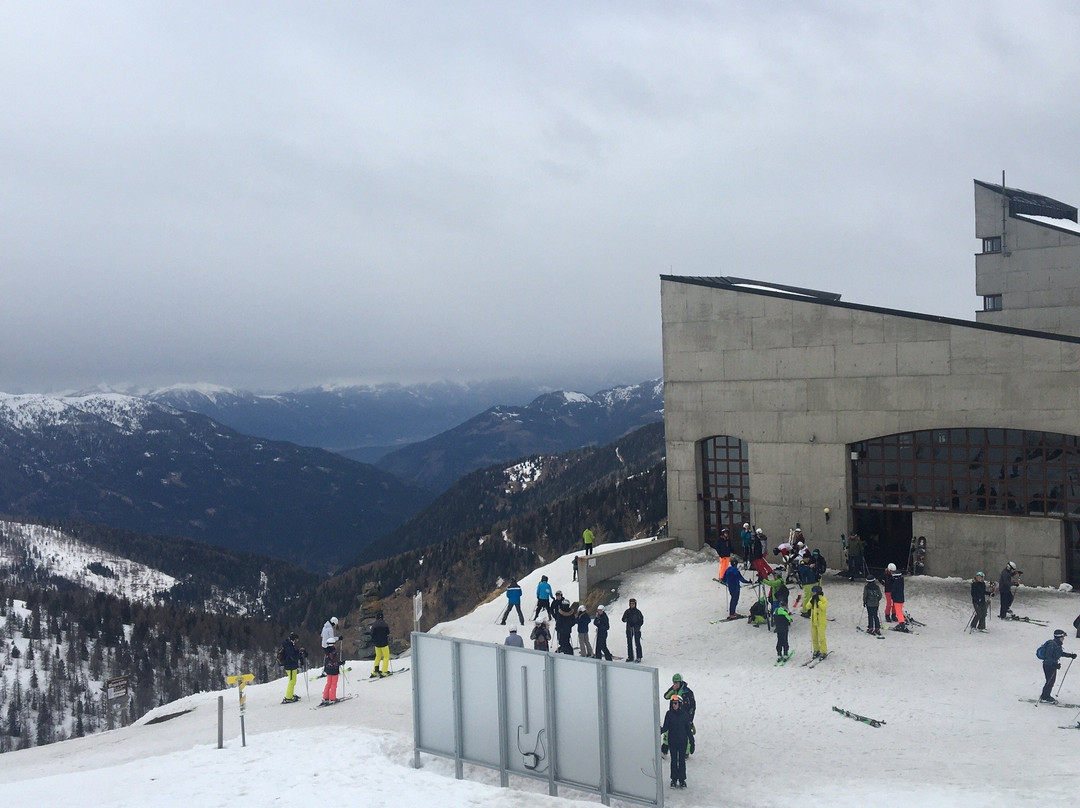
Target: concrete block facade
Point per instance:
(800, 378)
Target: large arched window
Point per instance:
(725, 474)
(1005, 471)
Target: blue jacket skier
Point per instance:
(1053, 651)
(732, 580)
(513, 601)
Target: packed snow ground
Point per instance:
(956, 734)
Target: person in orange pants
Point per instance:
(890, 609)
(723, 549)
(332, 668)
(897, 590)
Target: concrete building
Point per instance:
(787, 405)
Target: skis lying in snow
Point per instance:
(1036, 702)
(727, 619)
(335, 701)
(1072, 726)
(1029, 620)
(782, 660)
(862, 718)
(813, 661)
(868, 634)
(387, 675)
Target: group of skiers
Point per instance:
(573, 618)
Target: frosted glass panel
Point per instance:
(479, 703)
(528, 738)
(633, 729)
(577, 720)
(433, 693)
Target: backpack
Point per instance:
(1040, 652)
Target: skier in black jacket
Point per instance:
(603, 625)
(1055, 650)
(680, 740)
(978, 602)
(290, 660)
(380, 638)
(634, 620)
(565, 620)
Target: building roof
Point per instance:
(831, 299)
(1025, 202)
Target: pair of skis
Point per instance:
(1019, 619)
(873, 722)
(813, 661)
(1037, 702)
(868, 634)
(782, 661)
(335, 701)
(387, 675)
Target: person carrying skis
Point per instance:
(290, 656)
(513, 601)
(634, 620)
(331, 668)
(818, 620)
(603, 625)
(380, 638)
(733, 580)
(540, 636)
(543, 597)
(1010, 577)
(782, 621)
(808, 580)
(682, 690)
(680, 740)
(583, 623)
(871, 599)
(978, 602)
(1052, 652)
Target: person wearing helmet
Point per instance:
(290, 656)
(821, 566)
(896, 589)
(871, 598)
(1053, 650)
(514, 639)
(979, 594)
(380, 638)
(747, 540)
(686, 695)
(890, 611)
(763, 540)
(543, 598)
(1010, 577)
(329, 632)
(541, 636)
(603, 625)
(723, 549)
(819, 617)
(680, 740)
(733, 580)
(584, 621)
(808, 578)
(634, 620)
(513, 601)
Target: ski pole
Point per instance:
(971, 623)
(1063, 677)
(307, 685)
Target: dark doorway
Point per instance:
(887, 535)
(1072, 552)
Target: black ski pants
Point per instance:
(633, 637)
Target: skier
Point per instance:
(757, 560)
(290, 657)
(680, 740)
(978, 602)
(759, 613)
(778, 592)
(603, 625)
(897, 589)
(543, 597)
(817, 561)
(573, 568)
(782, 621)
(1053, 651)
(686, 695)
(732, 580)
(513, 639)
(540, 636)
(818, 620)
(329, 632)
(723, 549)
(746, 537)
(1010, 577)
(588, 537)
(583, 622)
(890, 613)
(871, 598)
(380, 638)
(634, 620)
(808, 579)
(855, 556)
(565, 620)
(331, 668)
(513, 601)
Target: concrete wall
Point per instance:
(962, 544)
(799, 379)
(615, 560)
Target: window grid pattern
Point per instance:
(726, 484)
(1004, 471)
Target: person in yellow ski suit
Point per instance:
(818, 619)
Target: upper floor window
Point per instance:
(991, 302)
(992, 244)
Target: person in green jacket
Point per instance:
(588, 537)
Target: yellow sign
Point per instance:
(240, 679)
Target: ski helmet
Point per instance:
(292, 635)
(333, 621)
(539, 622)
(599, 608)
(1059, 633)
(979, 575)
(677, 677)
(675, 699)
(760, 532)
(1012, 565)
(817, 590)
(891, 568)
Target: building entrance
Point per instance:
(887, 536)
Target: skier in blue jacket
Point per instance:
(733, 580)
(1055, 650)
(513, 601)
(543, 598)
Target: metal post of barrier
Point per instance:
(220, 722)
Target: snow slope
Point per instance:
(956, 734)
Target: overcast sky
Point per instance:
(269, 195)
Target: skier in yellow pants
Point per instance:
(818, 619)
(380, 638)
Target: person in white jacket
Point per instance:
(329, 632)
